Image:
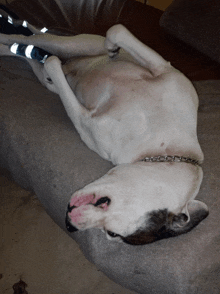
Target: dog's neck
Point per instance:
(188, 151)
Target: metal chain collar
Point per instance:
(170, 158)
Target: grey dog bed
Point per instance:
(43, 152)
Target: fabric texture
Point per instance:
(44, 153)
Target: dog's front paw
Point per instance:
(51, 64)
(53, 69)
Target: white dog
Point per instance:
(134, 109)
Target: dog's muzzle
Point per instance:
(69, 226)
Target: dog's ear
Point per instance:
(193, 213)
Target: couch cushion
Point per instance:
(43, 152)
(197, 23)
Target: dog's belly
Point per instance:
(114, 88)
(96, 79)
(135, 113)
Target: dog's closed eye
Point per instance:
(113, 235)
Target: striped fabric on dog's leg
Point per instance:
(30, 52)
(8, 26)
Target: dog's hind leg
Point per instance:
(64, 47)
(21, 32)
(119, 37)
(11, 25)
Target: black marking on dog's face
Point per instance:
(70, 228)
(162, 224)
(157, 225)
(102, 200)
(70, 208)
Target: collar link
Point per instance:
(171, 158)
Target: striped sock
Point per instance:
(7, 27)
(30, 52)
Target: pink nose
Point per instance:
(83, 200)
(79, 204)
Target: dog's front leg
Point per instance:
(79, 115)
(36, 66)
(73, 107)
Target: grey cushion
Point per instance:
(43, 152)
(197, 23)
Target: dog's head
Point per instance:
(140, 203)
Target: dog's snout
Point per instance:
(70, 228)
